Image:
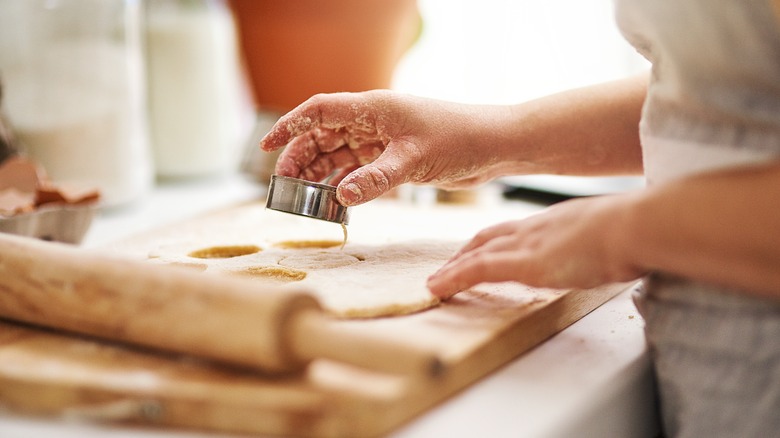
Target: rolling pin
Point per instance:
(221, 318)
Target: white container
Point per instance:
(74, 91)
(195, 88)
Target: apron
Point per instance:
(713, 102)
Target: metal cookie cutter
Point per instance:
(306, 198)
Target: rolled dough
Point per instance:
(359, 281)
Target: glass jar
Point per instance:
(197, 105)
(74, 90)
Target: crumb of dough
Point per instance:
(301, 244)
(280, 273)
(224, 252)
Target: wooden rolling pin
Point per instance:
(167, 308)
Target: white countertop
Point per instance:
(591, 380)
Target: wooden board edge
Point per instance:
(509, 345)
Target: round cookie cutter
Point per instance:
(305, 198)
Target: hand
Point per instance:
(570, 245)
(367, 143)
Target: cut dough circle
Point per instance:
(318, 260)
(360, 281)
(224, 251)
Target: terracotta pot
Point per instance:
(294, 49)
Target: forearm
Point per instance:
(373, 141)
(722, 228)
(587, 131)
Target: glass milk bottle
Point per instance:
(195, 88)
(75, 91)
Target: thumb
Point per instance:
(375, 179)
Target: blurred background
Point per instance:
(128, 95)
(504, 52)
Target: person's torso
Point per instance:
(714, 96)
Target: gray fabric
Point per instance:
(717, 359)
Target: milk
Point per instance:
(195, 99)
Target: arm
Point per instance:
(587, 131)
(371, 142)
(720, 227)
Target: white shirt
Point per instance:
(714, 96)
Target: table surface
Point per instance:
(592, 379)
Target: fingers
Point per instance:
(313, 155)
(397, 164)
(300, 120)
(325, 165)
(486, 235)
(333, 111)
(497, 253)
(485, 267)
(363, 184)
(356, 139)
(331, 135)
(318, 154)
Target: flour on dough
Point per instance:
(276, 273)
(359, 281)
(309, 260)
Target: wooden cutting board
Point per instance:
(46, 372)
